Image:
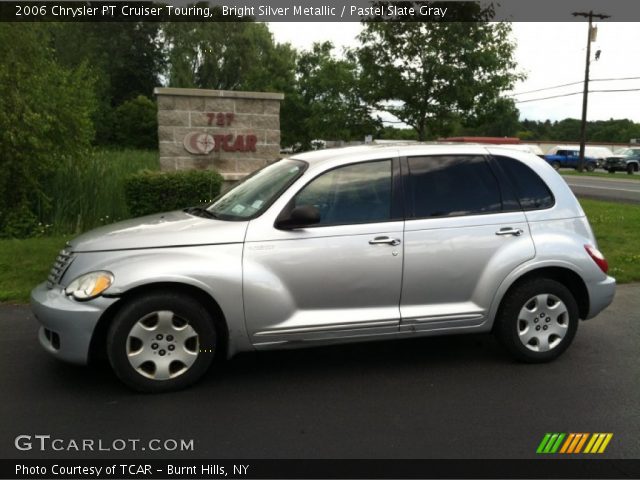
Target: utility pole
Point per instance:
(585, 94)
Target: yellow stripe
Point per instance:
(567, 442)
(590, 444)
(594, 449)
(574, 443)
(584, 439)
(607, 439)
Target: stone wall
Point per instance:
(232, 132)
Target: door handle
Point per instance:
(510, 231)
(384, 241)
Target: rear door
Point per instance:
(464, 233)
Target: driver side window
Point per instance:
(358, 193)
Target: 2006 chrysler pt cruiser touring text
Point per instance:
(342, 245)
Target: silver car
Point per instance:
(353, 244)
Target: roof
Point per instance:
(366, 152)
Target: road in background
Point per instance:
(440, 397)
(612, 189)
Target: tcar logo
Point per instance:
(198, 143)
(574, 443)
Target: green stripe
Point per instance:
(543, 442)
(550, 443)
(558, 442)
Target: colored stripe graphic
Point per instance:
(573, 443)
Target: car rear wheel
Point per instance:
(630, 169)
(555, 165)
(161, 341)
(537, 320)
(612, 170)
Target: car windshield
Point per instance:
(251, 197)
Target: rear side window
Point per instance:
(452, 185)
(532, 192)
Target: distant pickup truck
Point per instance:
(570, 159)
(627, 160)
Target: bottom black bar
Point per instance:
(316, 469)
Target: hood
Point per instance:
(160, 230)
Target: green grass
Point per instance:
(618, 175)
(617, 229)
(25, 263)
(90, 192)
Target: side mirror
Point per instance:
(299, 217)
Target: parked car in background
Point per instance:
(570, 159)
(627, 160)
(598, 153)
(333, 246)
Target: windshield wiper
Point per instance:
(201, 212)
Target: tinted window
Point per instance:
(452, 185)
(357, 193)
(532, 192)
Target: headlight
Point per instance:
(89, 285)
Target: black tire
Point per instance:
(555, 165)
(188, 315)
(591, 167)
(630, 169)
(612, 170)
(509, 325)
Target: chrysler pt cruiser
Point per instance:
(343, 245)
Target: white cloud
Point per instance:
(550, 54)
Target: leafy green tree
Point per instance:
(227, 56)
(328, 99)
(45, 118)
(499, 118)
(432, 74)
(126, 59)
(136, 123)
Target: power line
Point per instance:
(573, 83)
(578, 93)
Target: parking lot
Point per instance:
(447, 397)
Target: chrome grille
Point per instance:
(63, 260)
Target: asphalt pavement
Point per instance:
(616, 188)
(439, 397)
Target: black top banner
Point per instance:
(316, 11)
(317, 469)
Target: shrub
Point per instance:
(151, 192)
(136, 124)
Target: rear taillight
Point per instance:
(597, 257)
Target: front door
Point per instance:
(340, 278)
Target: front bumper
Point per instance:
(67, 325)
(600, 295)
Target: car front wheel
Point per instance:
(537, 320)
(161, 341)
(630, 169)
(590, 167)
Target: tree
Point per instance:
(45, 118)
(136, 124)
(430, 75)
(126, 59)
(499, 118)
(227, 56)
(329, 105)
